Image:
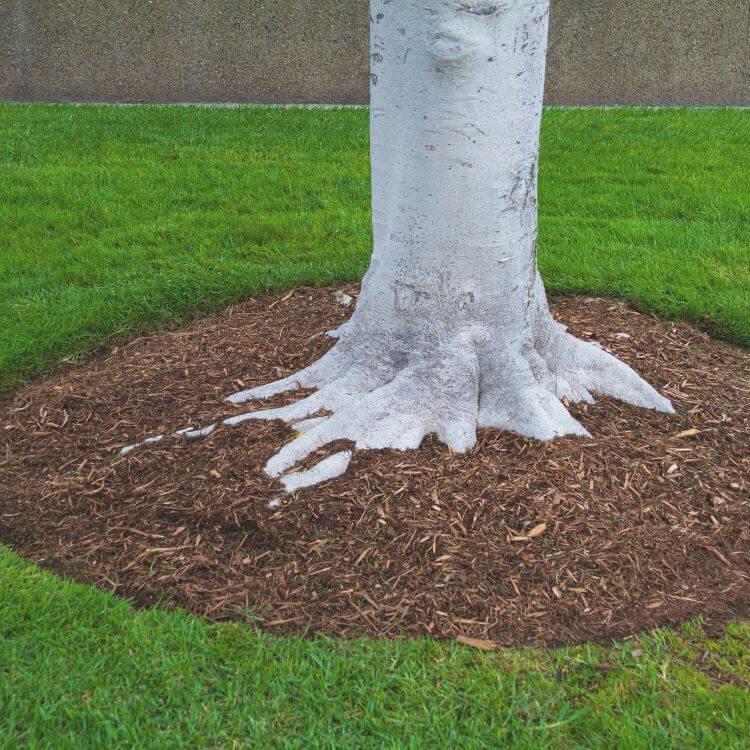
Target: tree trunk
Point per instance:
(452, 329)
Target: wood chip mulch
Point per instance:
(516, 542)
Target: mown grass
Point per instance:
(79, 668)
(113, 220)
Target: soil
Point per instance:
(517, 542)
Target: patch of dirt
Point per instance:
(518, 542)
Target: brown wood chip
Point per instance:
(477, 643)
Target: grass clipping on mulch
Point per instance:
(515, 542)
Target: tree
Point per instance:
(451, 330)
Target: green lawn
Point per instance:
(114, 220)
(79, 668)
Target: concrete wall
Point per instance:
(601, 51)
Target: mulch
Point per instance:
(517, 542)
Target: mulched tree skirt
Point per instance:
(517, 542)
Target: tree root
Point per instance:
(447, 392)
(378, 397)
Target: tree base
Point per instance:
(377, 396)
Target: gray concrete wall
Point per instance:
(601, 51)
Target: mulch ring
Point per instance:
(517, 542)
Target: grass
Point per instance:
(79, 668)
(115, 220)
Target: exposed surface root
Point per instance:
(394, 399)
(378, 396)
(581, 367)
(329, 468)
